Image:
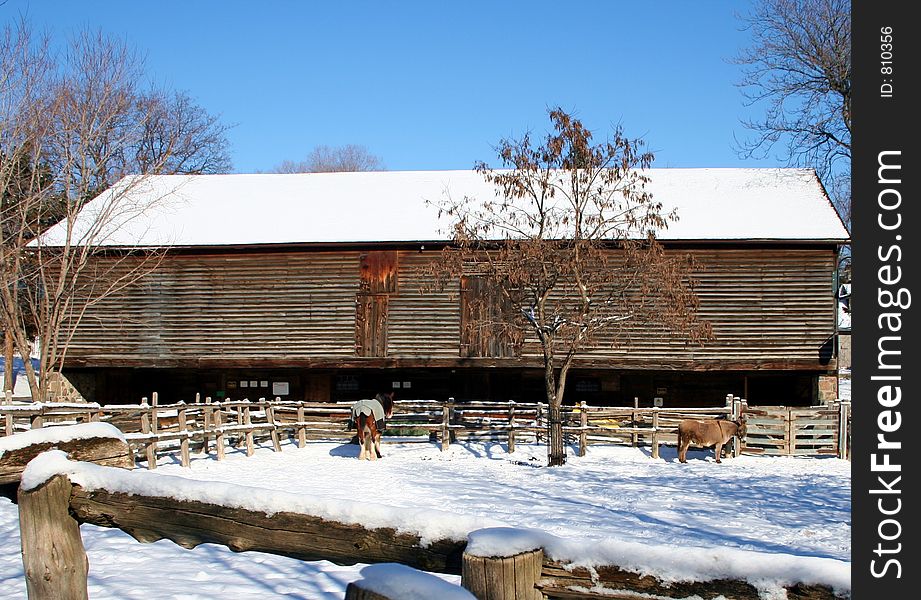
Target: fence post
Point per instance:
(634, 437)
(184, 442)
(539, 420)
(150, 445)
(737, 409)
(247, 420)
(843, 407)
(655, 432)
(270, 417)
(790, 427)
(219, 427)
(154, 424)
(52, 550)
(503, 578)
(301, 428)
(583, 424)
(206, 424)
(447, 407)
(511, 426)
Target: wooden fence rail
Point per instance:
(54, 509)
(209, 426)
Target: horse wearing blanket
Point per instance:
(369, 418)
(708, 432)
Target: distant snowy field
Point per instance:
(796, 509)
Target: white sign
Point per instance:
(280, 388)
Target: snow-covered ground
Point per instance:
(750, 515)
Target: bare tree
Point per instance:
(326, 159)
(72, 126)
(566, 253)
(799, 69)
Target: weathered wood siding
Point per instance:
(232, 307)
(770, 308)
(422, 325)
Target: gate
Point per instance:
(800, 431)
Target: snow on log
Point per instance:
(98, 443)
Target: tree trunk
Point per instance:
(556, 456)
(556, 453)
(8, 361)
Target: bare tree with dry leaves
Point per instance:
(798, 69)
(565, 255)
(72, 125)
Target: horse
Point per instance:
(369, 417)
(709, 432)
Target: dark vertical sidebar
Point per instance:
(886, 373)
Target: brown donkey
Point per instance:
(709, 432)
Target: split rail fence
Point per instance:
(54, 510)
(208, 426)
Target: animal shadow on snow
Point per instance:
(345, 451)
(670, 454)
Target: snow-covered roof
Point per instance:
(400, 206)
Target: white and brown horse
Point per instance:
(369, 417)
(709, 432)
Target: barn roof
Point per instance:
(397, 206)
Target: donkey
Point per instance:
(709, 432)
(369, 417)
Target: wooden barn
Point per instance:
(309, 287)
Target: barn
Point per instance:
(309, 286)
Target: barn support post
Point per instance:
(503, 578)
(583, 426)
(53, 555)
(655, 432)
(511, 426)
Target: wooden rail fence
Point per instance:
(54, 509)
(210, 426)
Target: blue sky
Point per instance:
(434, 85)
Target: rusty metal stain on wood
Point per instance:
(379, 272)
